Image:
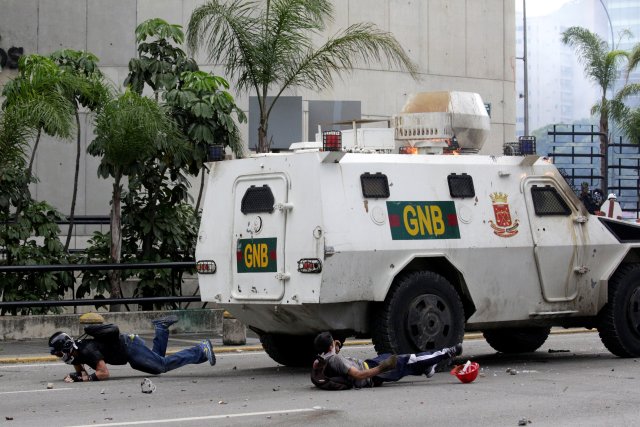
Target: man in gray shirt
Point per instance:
(383, 368)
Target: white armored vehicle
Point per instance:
(413, 249)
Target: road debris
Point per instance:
(524, 422)
(147, 386)
(49, 386)
(558, 351)
(222, 402)
(512, 371)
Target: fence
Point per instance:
(575, 150)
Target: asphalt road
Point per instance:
(571, 381)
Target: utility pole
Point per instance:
(526, 68)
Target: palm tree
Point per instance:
(267, 46)
(129, 129)
(37, 92)
(601, 66)
(89, 91)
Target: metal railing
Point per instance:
(98, 267)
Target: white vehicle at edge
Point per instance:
(412, 250)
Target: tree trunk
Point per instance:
(33, 153)
(604, 148)
(263, 143)
(116, 241)
(29, 169)
(75, 183)
(150, 238)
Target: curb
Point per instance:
(472, 336)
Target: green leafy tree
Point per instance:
(267, 47)
(130, 129)
(89, 91)
(199, 101)
(28, 230)
(204, 109)
(601, 66)
(160, 60)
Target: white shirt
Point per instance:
(611, 208)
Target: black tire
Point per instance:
(619, 322)
(289, 350)
(517, 340)
(422, 313)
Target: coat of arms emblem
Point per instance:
(504, 225)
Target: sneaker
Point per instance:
(165, 321)
(454, 351)
(431, 371)
(208, 350)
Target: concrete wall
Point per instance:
(28, 327)
(464, 45)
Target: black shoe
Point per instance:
(454, 351)
(165, 321)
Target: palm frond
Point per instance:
(592, 52)
(628, 90)
(14, 137)
(129, 128)
(360, 43)
(633, 59)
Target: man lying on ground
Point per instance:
(373, 372)
(115, 348)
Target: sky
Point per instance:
(540, 7)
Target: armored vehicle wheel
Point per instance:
(289, 350)
(619, 323)
(422, 313)
(517, 340)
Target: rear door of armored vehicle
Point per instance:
(259, 237)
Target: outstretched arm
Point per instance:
(101, 374)
(383, 367)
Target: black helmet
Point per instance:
(61, 342)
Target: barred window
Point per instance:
(547, 201)
(257, 200)
(461, 185)
(375, 186)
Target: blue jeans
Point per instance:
(154, 361)
(408, 364)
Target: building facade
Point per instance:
(464, 45)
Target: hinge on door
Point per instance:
(283, 276)
(581, 270)
(580, 219)
(283, 206)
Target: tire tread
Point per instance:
(607, 328)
